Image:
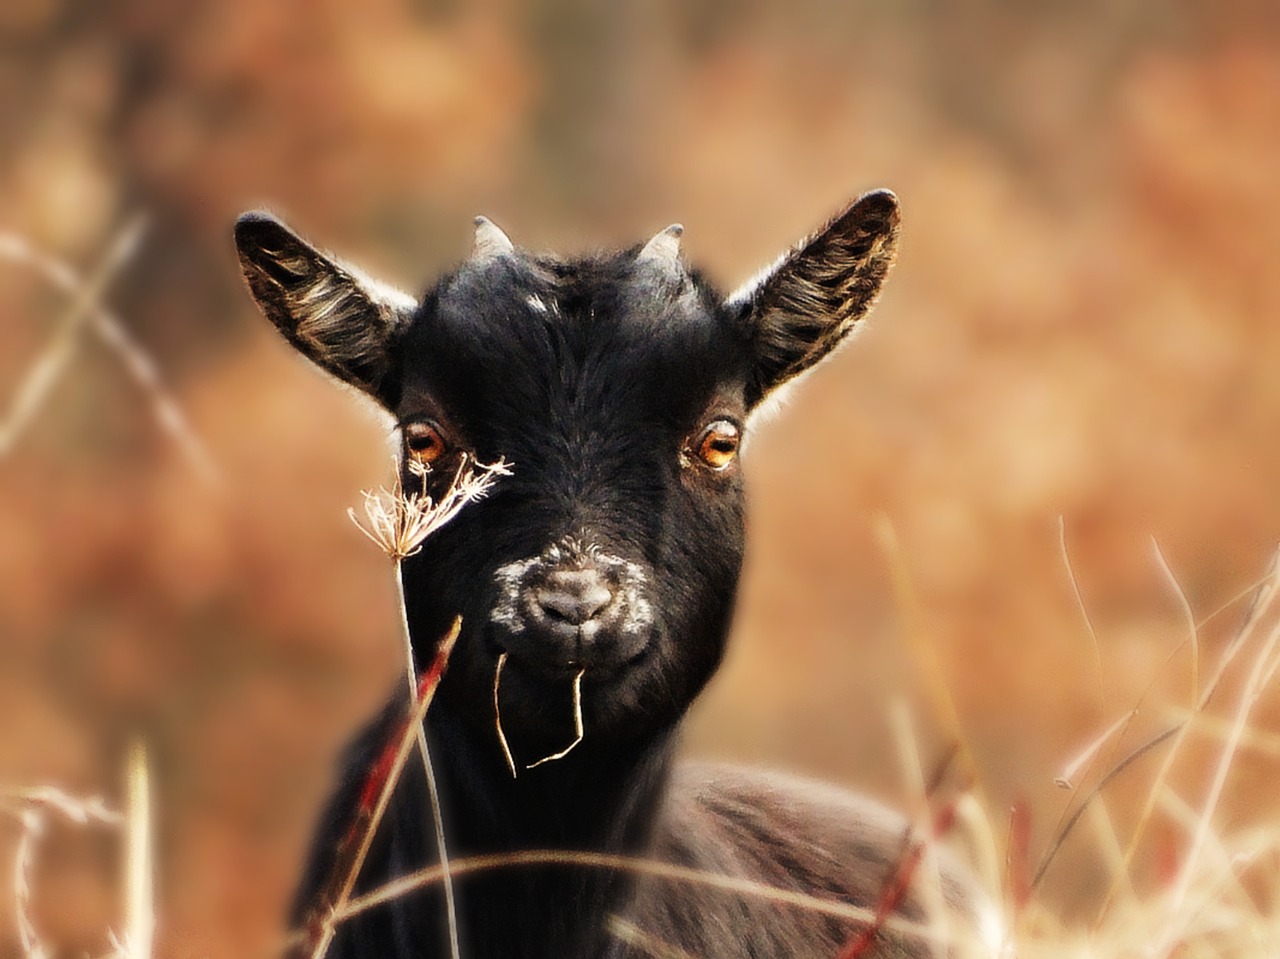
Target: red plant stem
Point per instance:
(375, 795)
(896, 889)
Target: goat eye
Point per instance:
(718, 446)
(424, 442)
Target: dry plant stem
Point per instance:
(1018, 857)
(28, 937)
(944, 706)
(139, 900)
(895, 892)
(1211, 727)
(367, 824)
(1072, 778)
(399, 524)
(424, 878)
(1193, 631)
(577, 724)
(1224, 864)
(437, 816)
(112, 332)
(1074, 818)
(502, 736)
(1088, 758)
(497, 717)
(912, 771)
(80, 811)
(1108, 844)
(915, 850)
(1084, 611)
(984, 849)
(1263, 597)
(1252, 590)
(1085, 758)
(51, 362)
(29, 807)
(1264, 668)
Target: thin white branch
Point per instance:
(53, 360)
(136, 362)
(139, 899)
(437, 815)
(1084, 611)
(1193, 631)
(577, 724)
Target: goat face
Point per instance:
(619, 388)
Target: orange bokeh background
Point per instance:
(1082, 325)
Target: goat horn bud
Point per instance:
(490, 242)
(664, 247)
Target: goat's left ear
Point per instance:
(804, 306)
(330, 312)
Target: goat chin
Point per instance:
(596, 583)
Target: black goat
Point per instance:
(620, 387)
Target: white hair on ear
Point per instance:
(781, 396)
(396, 301)
(744, 293)
(769, 409)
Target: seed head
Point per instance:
(399, 522)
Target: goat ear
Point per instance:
(804, 306)
(332, 313)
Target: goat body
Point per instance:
(620, 388)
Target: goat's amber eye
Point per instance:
(424, 442)
(718, 445)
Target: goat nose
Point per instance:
(573, 596)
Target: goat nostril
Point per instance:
(573, 596)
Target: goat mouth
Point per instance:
(559, 672)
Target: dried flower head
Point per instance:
(399, 522)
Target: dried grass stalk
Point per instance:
(1099, 672)
(379, 786)
(1263, 600)
(424, 878)
(137, 363)
(52, 361)
(502, 736)
(399, 523)
(139, 899)
(31, 808)
(497, 717)
(917, 850)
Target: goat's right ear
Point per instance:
(332, 313)
(799, 311)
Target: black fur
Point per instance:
(596, 379)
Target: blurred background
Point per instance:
(1082, 325)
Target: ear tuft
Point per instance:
(331, 312)
(808, 303)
